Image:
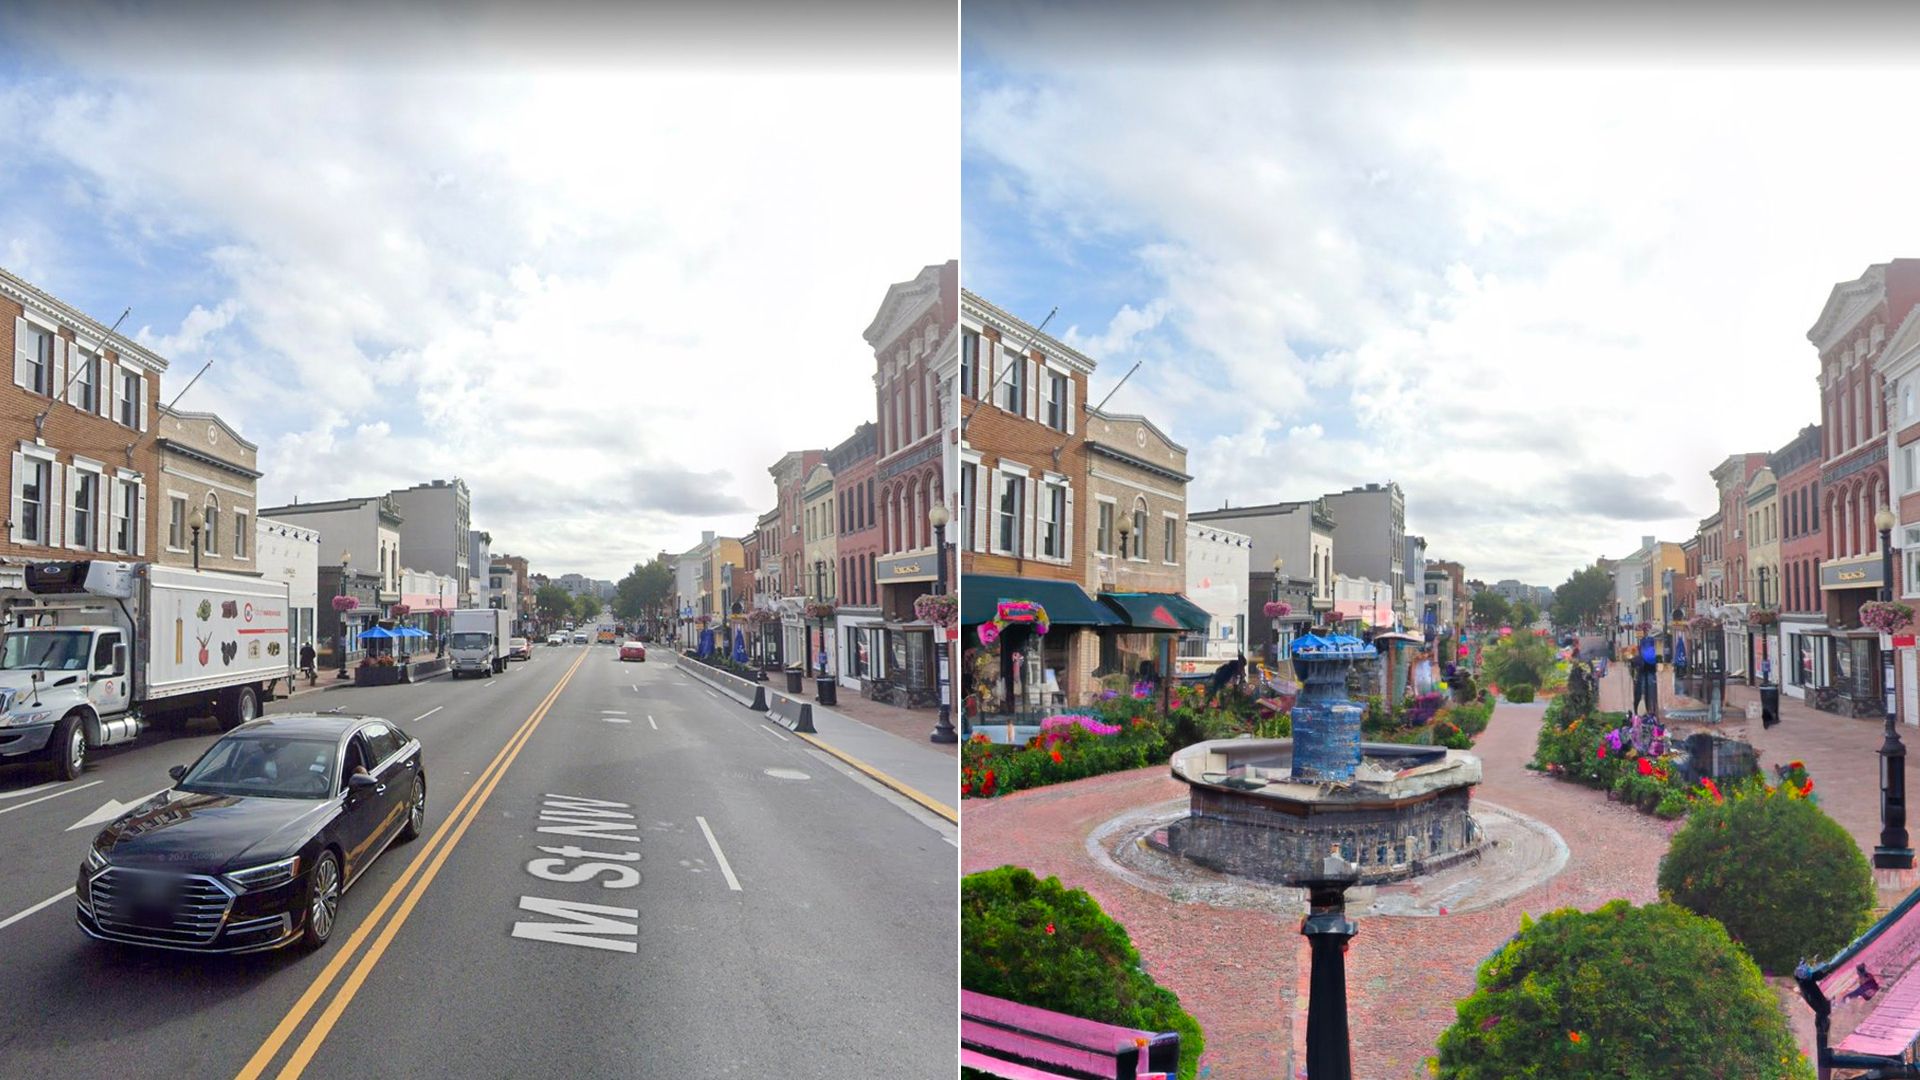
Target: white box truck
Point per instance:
(477, 643)
(95, 651)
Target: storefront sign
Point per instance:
(898, 465)
(921, 567)
(1852, 574)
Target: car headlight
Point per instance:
(267, 875)
(96, 859)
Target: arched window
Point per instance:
(210, 538)
(1139, 528)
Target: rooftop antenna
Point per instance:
(40, 422)
(168, 407)
(1103, 403)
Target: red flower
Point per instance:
(1056, 757)
(1049, 929)
(1646, 767)
(966, 789)
(1808, 790)
(1602, 749)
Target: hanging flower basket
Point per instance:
(1643, 627)
(1703, 624)
(702, 620)
(346, 603)
(762, 616)
(1024, 612)
(1277, 609)
(938, 610)
(1888, 617)
(818, 610)
(1762, 617)
(401, 611)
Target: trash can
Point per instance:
(1769, 706)
(826, 691)
(793, 680)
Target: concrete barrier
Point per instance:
(759, 699)
(797, 715)
(741, 690)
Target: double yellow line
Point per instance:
(432, 856)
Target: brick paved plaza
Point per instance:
(1242, 974)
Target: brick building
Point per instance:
(1803, 623)
(857, 547)
(1135, 516)
(789, 486)
(83, 468)
(207, 488)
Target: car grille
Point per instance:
(170, 909)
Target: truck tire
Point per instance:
(238, 705)
(67, 750)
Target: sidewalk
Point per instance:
(888, 744)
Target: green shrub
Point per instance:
(1520, 660)
(1672, 804)
(1140, 742)
(1471, 718)
(1621, 993)
(1278, 726)
(1786, 880)
(1519, 694)
(1042, 944)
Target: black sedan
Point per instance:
(253, 846)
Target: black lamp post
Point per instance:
(943, 730)
(199, 519)
(820, 597)
(1893, 852)
(1327, 930)
(346, 562)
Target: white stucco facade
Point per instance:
(291, 553)
(1218, 564)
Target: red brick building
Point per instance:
(1803, 622)
(83, 466)
(789, 486)
(858, 549)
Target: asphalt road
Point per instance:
(622, 875)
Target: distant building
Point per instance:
(1300, 537)
(1373, 536)
(208, 478)
(1218, 571)
(438, 533)
(291, 553)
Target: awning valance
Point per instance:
(1066, 603)
(1169, 612)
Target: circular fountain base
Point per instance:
(1405, 812)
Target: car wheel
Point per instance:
(323, 901)
(416, 811)
(68, 747)
(237, 706)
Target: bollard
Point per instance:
(759, 699)
(804, 725)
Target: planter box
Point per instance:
(378, 676)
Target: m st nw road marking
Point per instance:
(590, 926)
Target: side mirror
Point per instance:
(178, 772)
(120, 658)
(361, 780)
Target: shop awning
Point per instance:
(1067, 604)
(1363, 611)
(1159, 611)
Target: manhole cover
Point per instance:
(787, 774)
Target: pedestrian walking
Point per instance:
(307, 659)
(1639, 683)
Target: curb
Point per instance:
(926, 801)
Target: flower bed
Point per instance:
(727, 665)
(1068, 747)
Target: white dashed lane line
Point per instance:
(651, 724)
(718, 856)
(48, 902)
(55, 795)
(426, 714)
(773, 733)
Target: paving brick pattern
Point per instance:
(1241, 973)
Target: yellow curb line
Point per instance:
(927, 801)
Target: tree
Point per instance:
(1520, 660)
(644, 593)
(1584, 599)
(1489, 608)
(1042, 944)
(553, 603)
(1623, 991)
(1786, 880)
(1523, 614)
(586, 606)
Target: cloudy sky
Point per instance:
(1543, 274)
(606, 267)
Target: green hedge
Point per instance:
(1787, 881)
(1621, 993)
(1519, 695)
(1042, 944)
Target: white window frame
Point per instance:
(1009, 519)
(50, 505)
(1014, 399)
(1910, 560)
(210, 525)
(131, 400)
(90, 538)
(1051, 512)
(177, 524)
(84, 376)
(1103, 531)
(1137, 545)
(242, 521)
(1169, 544)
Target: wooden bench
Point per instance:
(1020, 1042)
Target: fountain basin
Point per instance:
(1405, 812)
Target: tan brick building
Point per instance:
(82, 466)
(1136, 523)
(208, 479)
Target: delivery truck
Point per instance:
(477, 644)
(94, 652)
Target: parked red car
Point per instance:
(633, 650)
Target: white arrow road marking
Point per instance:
(30, 790)
(55, 795)
(110, 810)
(651, 724)
(426, 714)
(719, 856)
(48, 902)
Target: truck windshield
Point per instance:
(54, 650)
(470, 640)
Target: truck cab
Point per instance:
(64, 689)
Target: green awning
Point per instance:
(1067, 604)
(1168, 612)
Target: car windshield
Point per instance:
(55, 650)
(470, 640)
(265, 764)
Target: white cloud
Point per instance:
(576, 286)
(1544, 298)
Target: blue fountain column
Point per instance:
(1326, 726)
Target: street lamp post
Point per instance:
(1893, 852)
(1279, 564)
(199, 520)
(820, 597)
(346, 563)
(1327, 930)
(943, 731)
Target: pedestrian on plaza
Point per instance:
(307, 658)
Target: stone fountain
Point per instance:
(1271, 809)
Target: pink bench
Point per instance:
(1019, 1042)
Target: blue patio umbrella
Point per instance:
(706, 644)
(1679, 652)
(377, 632)
(739, 646)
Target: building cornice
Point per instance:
(1136, 418)
(1847, 304)
(1008, 326)
(16, 288)
(170, 446)
(905, 304)
(1137, 462)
